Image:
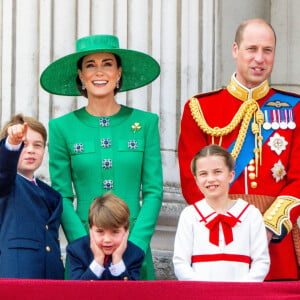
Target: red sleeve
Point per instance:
(191, 140)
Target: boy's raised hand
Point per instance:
(118, 253)
(17, 133)
(99, 255)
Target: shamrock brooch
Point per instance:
(136, 126)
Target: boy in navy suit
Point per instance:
(106, 253)
(30, 210)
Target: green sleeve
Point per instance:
(61, 180)
(152, 188)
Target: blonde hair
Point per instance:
(109, 211)
(34, 124)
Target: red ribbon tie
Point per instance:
(227, 223)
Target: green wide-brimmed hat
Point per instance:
(138, 68)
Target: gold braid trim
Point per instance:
(244, 114)
(243, 130)
(278, 215)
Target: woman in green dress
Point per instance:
(104, 145)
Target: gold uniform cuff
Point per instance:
(278, 214)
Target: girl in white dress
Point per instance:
(219, 239)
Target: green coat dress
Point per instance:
(121, 154)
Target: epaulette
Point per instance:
(207, 94)
(286, 93)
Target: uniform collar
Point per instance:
(242, 93)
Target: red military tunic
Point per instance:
(278, 175)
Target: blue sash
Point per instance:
(246, 153)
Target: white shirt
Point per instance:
(115, 270)
(249, 239)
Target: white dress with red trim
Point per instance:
(221, 247)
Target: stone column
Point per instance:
(286, 22)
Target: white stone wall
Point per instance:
(191, 39)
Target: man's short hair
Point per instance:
(240, 31)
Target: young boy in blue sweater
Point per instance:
(106, 253)
(30, 210)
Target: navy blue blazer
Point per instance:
(80, 256)
(29, 223)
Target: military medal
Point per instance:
(277, 143)
(291, 124)
(267, 125)
(282, 122)
(274, 124)
(278, 171)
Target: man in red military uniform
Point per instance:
(258, 125)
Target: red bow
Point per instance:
(227, 223)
